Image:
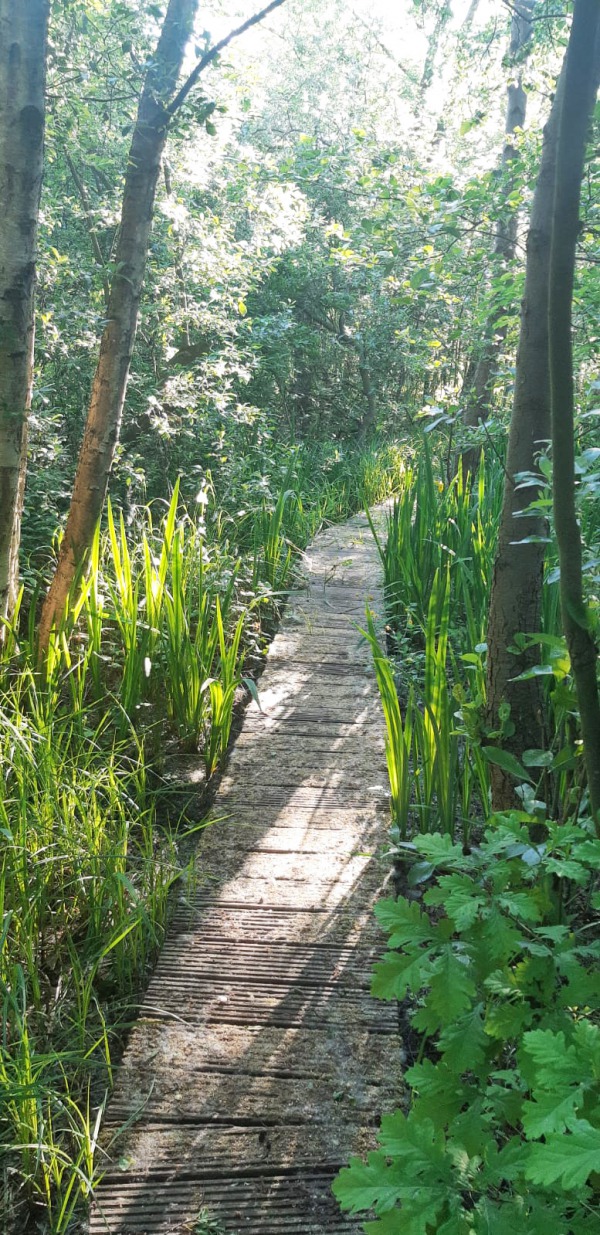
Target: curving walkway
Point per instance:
(260, 1061)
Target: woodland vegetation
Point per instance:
(254, 278)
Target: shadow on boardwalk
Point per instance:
(261, 1062)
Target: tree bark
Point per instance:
(369, 420)
(478, 391)
(581, 85)
(23, 34)
(516, 593)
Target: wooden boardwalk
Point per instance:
(260, 1061)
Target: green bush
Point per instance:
(502, 1131)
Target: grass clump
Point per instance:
(84, 880)
(437, 558)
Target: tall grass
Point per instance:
(433, 765)
(437, 558)
(433, 525)
(398, 741)
(84, 878)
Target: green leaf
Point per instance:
(565, 868)
(586, 1038)
(508, 1020)
(252, 689)
(452, 990)
(419, 1214)
(404, 922)
(498, 1219)
(538, 758)
(418, 277)
(554, 1061)
(470, 1136)
(463, 1043)
(551, 1112)
(439, 848)
(590, 852)
(439, 1090)
(504, 1097)
(565, 758)
(521, 905)
(460, 896)
(499, 939)
(421, 1209)
(387, 1224)
(367, 1185)
(569, 1159)
(536, 671)
(398, 973)
(506, 761)
(416, 1139)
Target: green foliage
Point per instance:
(503, 1130)
(398, 743)
(84, 878)
(434, 764)
(436, 525)
(207, 1224)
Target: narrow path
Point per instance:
(261, 1062)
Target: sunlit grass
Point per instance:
(84, 879)
(437, 556)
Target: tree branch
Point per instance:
(91, 227)
(412, 78)
(211, 55)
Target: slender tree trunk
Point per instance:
(23, 33)
(369, 419)
(581, 85)
(110, 380)
(159, 103)
(478, 390)
(443, 17)
(516, 593)
(471, 14)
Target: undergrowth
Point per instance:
(494, 945)
(502, 1128)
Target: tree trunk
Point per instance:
(516, 594)
(478, 391)
(369, 420)
(441, 21)
(23, 33)
(110, 379)
(159, 103)
(581, 85)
